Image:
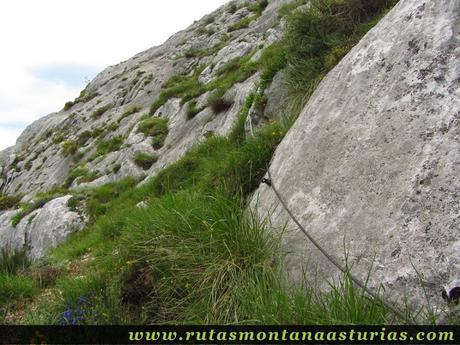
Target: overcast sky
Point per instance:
(49, 48)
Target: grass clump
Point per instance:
(193, 110)
(68, 105)
(110, 145)
(130, 111)
(69, 148)
(258, 7)
(12, 262)
(318, 37)
(144, 160)
(116, 168)
(272, 60)
(181, 86)
(235, 71)
(242, 24)
(83, 138)
(217, 101)
(16, 287)
(100, 111)
(26, 209)
(83, 175)
(288, 8)
(155, 127)
(9, 201)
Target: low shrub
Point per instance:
(116, 168)
(68, 105)
(9, 201)
(69, 148)
(46, 276)
(242, 24)
(258, 7)
(272, 60)
(83, 174)
(182, 86)
(192, 110)
(100, 111)
(109, 145)
(12, 262)
(83, 138)
(232, 8)
(144, 160)
(217, 101)
(155, 127)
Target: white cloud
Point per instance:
(86, 35)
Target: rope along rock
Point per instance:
(357, 282)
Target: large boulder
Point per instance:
(371, 168)
(41, 230)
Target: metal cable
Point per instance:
(270, 183)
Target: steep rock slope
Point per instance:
(99, 132)
(135, 118)
(371, 166)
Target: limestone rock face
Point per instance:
(41, 230)
(372, 165)
(126, 91)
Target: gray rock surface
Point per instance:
(372, 165)
(41, 230)
(36, 164)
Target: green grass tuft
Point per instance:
(144, 160)
(100, 111)
(154, 127)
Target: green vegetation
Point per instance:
(288, 8)
(235, 71)
(217, 101)
(107, 146)
(15, 287)
(191, 53)
(9, 201)
(82, 173)
(193, 110)
(181, 86)
(318, 37)
(28, 208)
(100, 111)
(60, 135)
(13, 262)
(69, 148)
(188, 87)
(83, 98)
(83, 138)
(195, 254)
(258, 7)
(116, 168)
(144, 160)
(272, 60)
(155, 127)
(130, 111)
(68, 105)
(242, 24)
